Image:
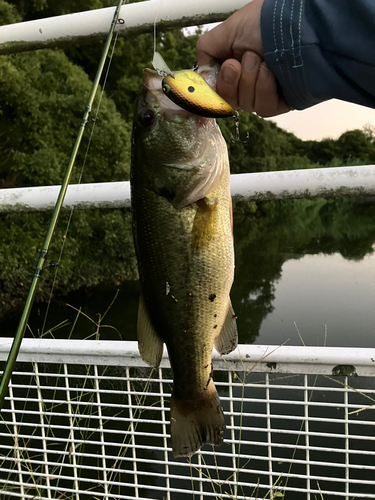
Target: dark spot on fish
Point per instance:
(206, 366)
(212, 297)
(191, 89)
(247, 355)
(215, 327)
(215, 315)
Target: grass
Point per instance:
(91, 434)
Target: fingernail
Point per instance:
(264, 72)
(229, 74)
(249, 61)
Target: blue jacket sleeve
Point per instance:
(321, 49)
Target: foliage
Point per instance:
(42, 99)
(352, 147)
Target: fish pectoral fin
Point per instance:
(205, 224)
(227, 339)
(150, 345)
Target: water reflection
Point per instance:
(303, 261)
(330, 300)
(308, 262)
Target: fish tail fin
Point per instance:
(195, 422)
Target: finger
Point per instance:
(227, 81)
(250, 65)
(215, 44)
(267, 100)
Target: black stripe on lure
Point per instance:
(190, 91)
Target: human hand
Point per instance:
(244, 80)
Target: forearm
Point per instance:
(321, 49)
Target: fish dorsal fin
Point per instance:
(150, 345)
(227, 339)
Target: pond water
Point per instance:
(305, 273)
(327, 299)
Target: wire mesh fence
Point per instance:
(87, 420)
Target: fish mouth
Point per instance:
(152, 82)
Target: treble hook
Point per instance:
(236, 122)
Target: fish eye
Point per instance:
(146, 117)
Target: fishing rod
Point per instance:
(13, 353)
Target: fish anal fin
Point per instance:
(194, 423)
(227, 339)
(150, 345)
(205, 224)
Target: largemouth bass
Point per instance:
(182, 228)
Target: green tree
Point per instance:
(42, 99)
(355, 145)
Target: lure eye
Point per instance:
(146, 117)
(166, 88)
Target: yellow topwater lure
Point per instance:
(189, 90)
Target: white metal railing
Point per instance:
(94, 24)
(336, 181)
(87, 420)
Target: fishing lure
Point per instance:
(189, 90)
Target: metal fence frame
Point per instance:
(278, 402)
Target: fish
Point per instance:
(183, 237)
